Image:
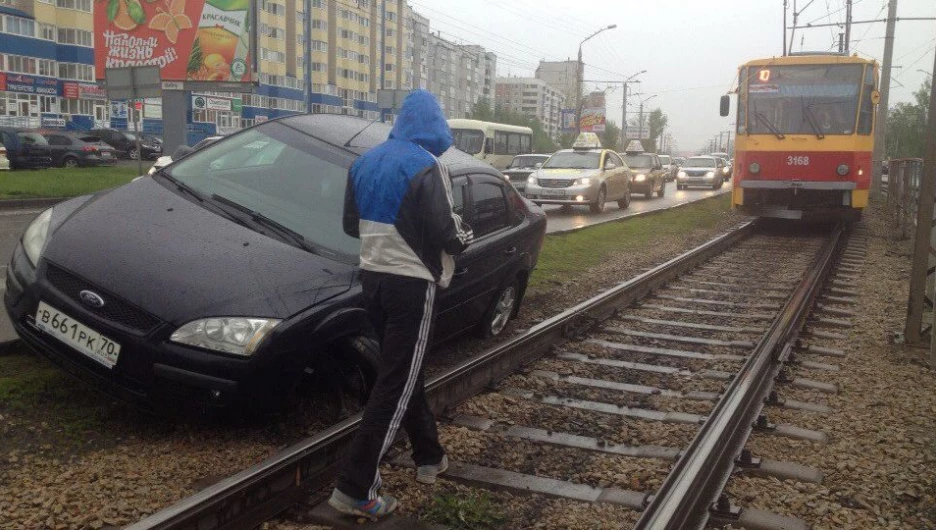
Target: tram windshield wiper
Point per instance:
(812, 121)
(759, 116)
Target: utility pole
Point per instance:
(624, 118)
(792, 31)
(841, 43)
(383, 50)
(848, 24)
(881, 122)
(785, 6)
(720, 133)
(921, 247)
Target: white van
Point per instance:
(495, 143)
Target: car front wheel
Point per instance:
(662, 191)
(624, 202)
(501, 311)
(599, 204)
(70, 162)
(132, 154)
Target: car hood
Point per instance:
(171, 257)
(566, 173)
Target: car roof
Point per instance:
(337, 129)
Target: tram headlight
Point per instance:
(754, 168)
(842, 170)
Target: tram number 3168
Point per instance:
(797, 160)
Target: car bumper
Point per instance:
(641, 187)
(570, 195)
(33, 162)
(696, 181)
(151, 372)
(93, 161)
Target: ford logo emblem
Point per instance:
(91, 299)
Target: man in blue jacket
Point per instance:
(399, 203)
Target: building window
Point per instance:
(319, 46)
(272, 7)
(273, 56)
(78, 72)
(47, 32)
(318, 4)
(78, 37)
(18, 26)
(389, 67)
(80, 5)
(76, 106)
(319, 24)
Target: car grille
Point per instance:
(520, 176)
(114, 310)
(698, 173)
(555, 183)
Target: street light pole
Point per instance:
(624, 109)
(640, 119)
(578, 80)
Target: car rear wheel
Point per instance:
(662, 191)
(501, 311)
(70, 162)
(132, 154)
(624, 202)
(599, 204)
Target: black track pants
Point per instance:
(402, 312)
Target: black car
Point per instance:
(71, 149)
(26, 149)
(125, 143)
(219, 280)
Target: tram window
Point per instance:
(866, 114)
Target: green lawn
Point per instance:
(565, 255)
(60, 182)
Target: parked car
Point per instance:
(72, 150)
(520, 168)
(236, 275)
(4, 161)
(669, 167)
(26, 149)
(586, 174)
(125, 144)
(701, 171)
(649, 177)
(164, 161)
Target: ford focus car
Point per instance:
(219, 280)
(587, 174)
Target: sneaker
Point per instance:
(382, 506)
(428, 474)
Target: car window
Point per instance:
(31, 138)
(701, 162)
(458, 196)
(574, 160)
(640, 161)
(488, 208)
(89, 139)
(665, 160)
(614, 158)
(57, 139)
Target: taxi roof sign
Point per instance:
(587, 140)
(634, 146)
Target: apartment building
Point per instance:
(534, 97)
(47, 65)
(561, 75)
(459, 75)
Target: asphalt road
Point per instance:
(14, 222)
(560, 220)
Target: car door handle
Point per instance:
(510, 251)
(461, 271)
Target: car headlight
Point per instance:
(681, 174)
(152, 169)
(584, 181)
(531, 180)
(725, 170)
(842, 170)
(640, 177)
(754, 168)
(240, 336)
(35, 236)
(710, 174)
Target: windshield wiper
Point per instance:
(268, 223)
(812, 121)
(181, 186)
(767, 123)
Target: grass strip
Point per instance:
(60, 182)
(565, 255)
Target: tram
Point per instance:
(805, 133)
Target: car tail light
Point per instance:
(89, 149)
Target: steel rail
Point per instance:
(254, 495)
(687, 497)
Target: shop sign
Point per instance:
(210, 103)
(29, 84)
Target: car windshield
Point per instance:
(700, 162)
(803, 99)
(468, 140)
(574, 160)
(283, 174)
(527, 161)
(32, 138)
(639, 161)
(665, 160)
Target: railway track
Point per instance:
(661, 380)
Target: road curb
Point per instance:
(25, 204)
(8, 347)
(635, 215)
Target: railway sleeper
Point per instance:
(692, 325)
(666, 352)
(755, 519)
(696, 291)
(750, 316)
(715, 375)
(680, 338)
(723, 303)
(629, 388)
(607, 408)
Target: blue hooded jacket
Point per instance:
(399, 198)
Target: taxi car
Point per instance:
(586, 174)
(649, 175)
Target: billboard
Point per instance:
(189, 40)
(636, 133)
(593, 120)
(567, 121)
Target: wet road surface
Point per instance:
(12, 225)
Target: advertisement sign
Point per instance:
(567, 121)
(28, 84)
(593, 120)
(210, 103)
(634, 133)
(52, 123)
(72, 90)
(199, 40)
(118, 109)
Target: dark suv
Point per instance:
(125, 143)
(26, 149)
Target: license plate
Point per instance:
(77, 335)
(552, 193)
(105, 154)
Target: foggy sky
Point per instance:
(690, 49)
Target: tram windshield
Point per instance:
(802, 99)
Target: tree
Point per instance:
(611, 135)
(906, 126)
(657, 123)
(482, 110)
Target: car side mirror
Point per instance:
(181, 151)
(725, 105)
(537, 165)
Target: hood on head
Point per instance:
(421, 121)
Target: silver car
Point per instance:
(579, 177)
(708, 171)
